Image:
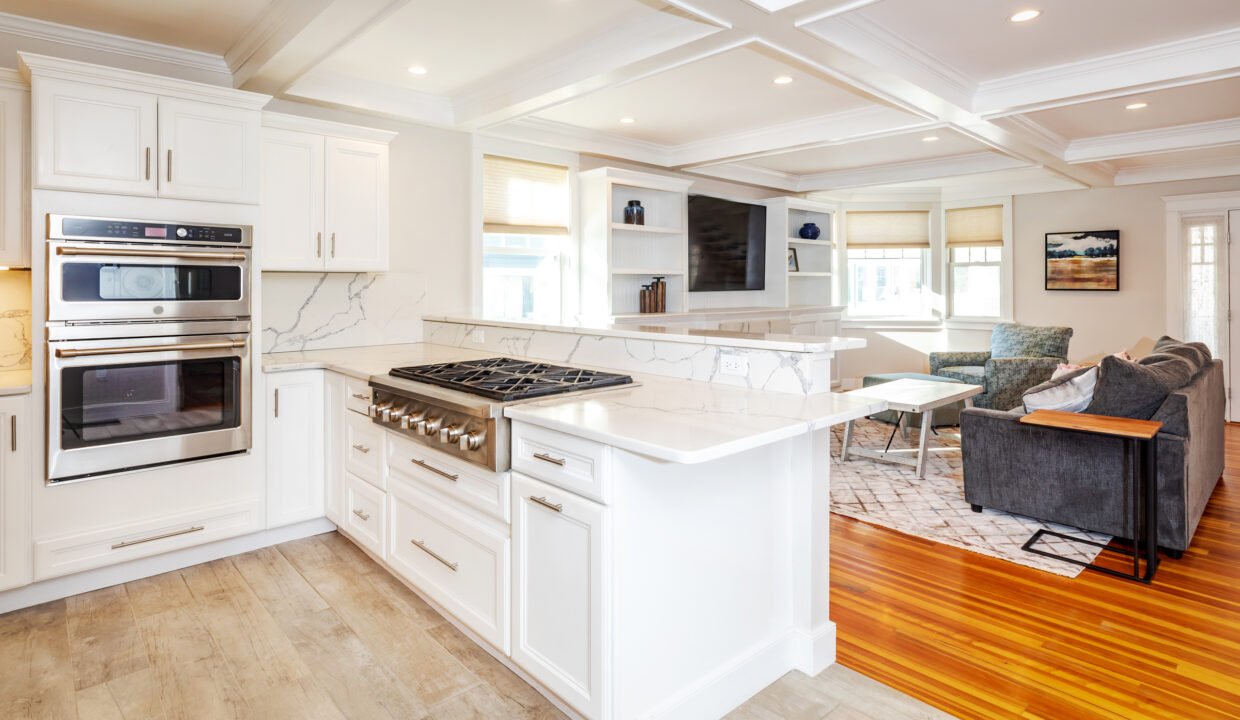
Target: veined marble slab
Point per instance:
(310, 311)
(362, 362)
(15, 334)
(14, 382)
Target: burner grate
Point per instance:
(507, 379)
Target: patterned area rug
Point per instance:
(934, 508)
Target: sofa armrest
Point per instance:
(940, 360)
(1007, 379)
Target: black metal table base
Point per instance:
(1151, 563)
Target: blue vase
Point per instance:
(810, 231)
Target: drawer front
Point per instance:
(364, 444)
(458, 561)
(473, 486)
(365, 513)
(357, 395)
(108, 546)
(577, 465)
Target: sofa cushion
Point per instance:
(1015, 340)
(1070, 392)
(1194, 352)
(1137, 389)
(971, 374)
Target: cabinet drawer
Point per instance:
(357, 396)
(476, 487)
(365, 513)
(581, 466)
(108, 546)
(364, 449)
(458, 561)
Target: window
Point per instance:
(888, 260)
(1204, 304)
(975, 261)
(526, 209)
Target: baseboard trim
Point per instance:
(78, 583)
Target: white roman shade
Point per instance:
(975, 227)
(523, 197)
(888, 229)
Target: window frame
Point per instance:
(1006, 267)
(931, 279)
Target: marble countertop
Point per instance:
(756, 341)
(14, 382)
(674, 420)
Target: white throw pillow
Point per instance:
(1072, 395)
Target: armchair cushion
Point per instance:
(1008, 378)
(1013, 340)
(940, 360)
(971, 374)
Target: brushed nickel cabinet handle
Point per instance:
(421, 545)
(432, 468)
(362, 449)
(360, 396)
(169, 164)
(13, 433)
(551, 459)
(318, 244)
(277, 402)
(333, 244)
(547, 503)
(365, 516)
(148, 163)
(128, 350)
(162, 536)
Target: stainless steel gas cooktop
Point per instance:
(506, 379)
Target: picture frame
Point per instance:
(794, 265)
(1086, 260)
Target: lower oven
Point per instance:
(163, 393)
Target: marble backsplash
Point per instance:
(315, 311)
(801, 373)
(15, 320)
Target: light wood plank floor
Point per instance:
(308, 630)
(984, 638)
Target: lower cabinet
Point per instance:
(559, 606)
(296, 451)
(365, 514)
(15, 479)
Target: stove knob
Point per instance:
(430, 426)
(395, 414)
(450, 434)
(472, 440)
(376, 409)
(410, 421)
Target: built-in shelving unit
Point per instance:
(617, 259)
(813, 282)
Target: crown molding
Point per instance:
(550, 133)
(841, 9)
(41, 66)
(13, 80)
(299, 123)
(1148, 142)
(749, 175)
(1174, 172)
(369, 96)
(1173, 64)
(115, 44)
(1042, 137)
(892, 173)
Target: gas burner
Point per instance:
(506, 379)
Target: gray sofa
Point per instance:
(1075, 479)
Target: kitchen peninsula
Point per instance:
(657, 550)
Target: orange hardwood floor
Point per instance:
(984, 638)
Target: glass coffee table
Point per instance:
(910, 396)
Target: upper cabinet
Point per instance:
(324, 196)
(14, 134)
(98, 129)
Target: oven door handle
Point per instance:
(88, 352)
(125, 252)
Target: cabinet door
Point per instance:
(15, 538)
(14, 240)
(295, 447)
(559, 606)
(208, 152)
(292, 201)
(357, 206)
(334, 394)
(94, 138)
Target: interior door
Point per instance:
(208, 152)
(1232, 334)
(292, 201)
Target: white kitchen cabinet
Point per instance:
(14, 114)
(208, 152)
(15, 479)
(334, 389)
(324, 196)
(560, 608)
(296, 456)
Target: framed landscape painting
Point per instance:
(1082, 260)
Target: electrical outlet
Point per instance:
(733, 364)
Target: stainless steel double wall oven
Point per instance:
(148, 343)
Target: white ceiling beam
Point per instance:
(750, 175)
(1160, 140)
(1174, 172)
(345, 91)
(1184, 62)
(549, 133)
(909, 171)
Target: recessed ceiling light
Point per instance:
(417, 70)
(1025, 15)
(627, 120)
(783, 80)
(930, 138)
(1136, 106)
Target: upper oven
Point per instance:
(102, 270)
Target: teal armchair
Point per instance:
(1020, 357)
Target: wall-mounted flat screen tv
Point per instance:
(727, 245)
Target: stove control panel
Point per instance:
(457, 434)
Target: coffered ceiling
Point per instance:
(801, 96)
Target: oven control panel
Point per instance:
(61, 227)
(464, 436)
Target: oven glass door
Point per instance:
(124, 283)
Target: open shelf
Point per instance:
(808, 274)
(646, 271)
(818, 243)
(655, 229)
